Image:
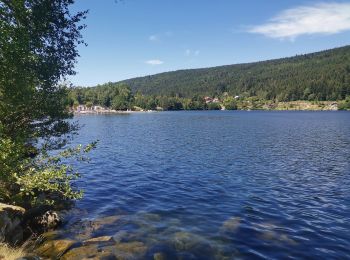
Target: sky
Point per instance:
(132, 38)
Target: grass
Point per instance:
(9, 253)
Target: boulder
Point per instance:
(49, 220)
(11, 218)
(231, 225)
(55, 249)
(131, 250)
(185, 242)
(91, 251)
(85, 230)
(41, 219)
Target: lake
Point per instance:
(218, 184)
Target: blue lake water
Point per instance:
(221, 184)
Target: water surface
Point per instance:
(210, 185)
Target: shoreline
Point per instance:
(245, 105)
(247, 110)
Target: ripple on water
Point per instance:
(210, 185)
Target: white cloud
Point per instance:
(322, 18)
(153, 38)
(188, 52)
(154, 62)
(196, 52)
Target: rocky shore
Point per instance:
(18, 225)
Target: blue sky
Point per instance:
(133, 38)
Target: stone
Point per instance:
(121, 235)
(55, 249)
(42, 219)
(159, 256)
(51, 235)
(100, 240)
(29, 258)
(184, 241)
(11, 217)
(231, 225)
(130, 250)
(92, 251)
(86, 229)
(49, 220)
(272, 233)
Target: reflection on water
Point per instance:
(215, 185)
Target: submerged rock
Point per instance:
(185, 242)
(11, 218)
(150, 216)
(121, 235)
(100, 240)
(92, 251)
(159, 256)
(131, 250)
(271, 232)
(120, 251)
(55, 249)
(85, 230)
(231, 225)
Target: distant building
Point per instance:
(208, 100)
(81, 108)
(97, 108)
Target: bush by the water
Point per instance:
(344, 105)
(38, 49)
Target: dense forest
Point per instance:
(317, 76)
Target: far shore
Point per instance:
(244, 106)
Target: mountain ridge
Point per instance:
(254, 76)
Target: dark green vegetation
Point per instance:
(317, 76)
(38, 43)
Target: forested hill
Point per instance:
(322, 75)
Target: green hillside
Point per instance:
(323, 75)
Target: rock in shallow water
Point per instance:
(231, 225)
(91, 251)
(159, 256)
(191, 244)
(100, 240)
(130, 250)
(54, 249)
(85, 230)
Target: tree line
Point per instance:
(119, 96)
(317, 76)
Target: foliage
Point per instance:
(230, 103)
(38, 50)
(39, 180)
(314, 77)
(345, 105)
(317, 76)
